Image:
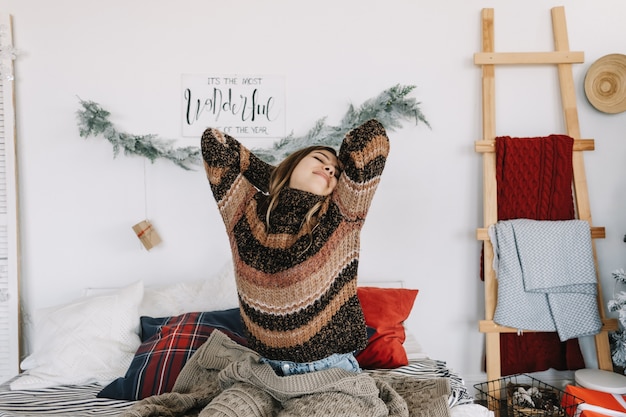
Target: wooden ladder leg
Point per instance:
(581, 195)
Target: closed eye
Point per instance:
(325, 161)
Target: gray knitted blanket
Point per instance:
(226, 379)
(546, 276)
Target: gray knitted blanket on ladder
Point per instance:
(223, 378)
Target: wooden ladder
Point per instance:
(563, 58)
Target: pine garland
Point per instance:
(93, 120)
(390, 107)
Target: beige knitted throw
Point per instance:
(226, 379)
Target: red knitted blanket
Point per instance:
(534, 181)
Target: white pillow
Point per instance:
(412, 346)
(90, 340)
(216, 293)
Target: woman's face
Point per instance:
(316, 173)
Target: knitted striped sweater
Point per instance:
(297, 293)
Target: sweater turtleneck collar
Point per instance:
(292, 207)
(298, 198)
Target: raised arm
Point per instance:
(225, 158)
(362, 155)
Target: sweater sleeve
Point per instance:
(225, 159)
(362, 157)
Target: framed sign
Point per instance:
(250, 106)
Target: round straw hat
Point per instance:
(605, 84)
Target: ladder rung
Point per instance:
(488, 326)
(485, 146)
(519, 58)
(596, 233)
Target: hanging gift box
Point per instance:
(147, 234)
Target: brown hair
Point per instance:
(280, 177)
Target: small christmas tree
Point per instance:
(618, 338)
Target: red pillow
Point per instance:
(385, 309)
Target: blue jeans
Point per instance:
(345, 361)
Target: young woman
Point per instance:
(294, 233)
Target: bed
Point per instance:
(82, 400)
(106, 352)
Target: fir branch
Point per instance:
(93, 120)
(617, 341)
(619, 275)
(390, 107)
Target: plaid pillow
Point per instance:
(167, 344)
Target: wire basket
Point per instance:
(522, 395)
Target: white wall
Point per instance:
(78, 203)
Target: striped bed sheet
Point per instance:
(71, 401)
(81, 401)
